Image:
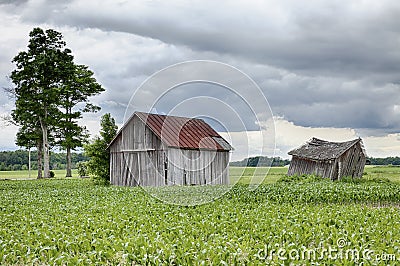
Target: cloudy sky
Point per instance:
(329, 69)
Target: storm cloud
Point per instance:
(321, 64)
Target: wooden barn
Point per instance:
(332, 160)
(160, 150)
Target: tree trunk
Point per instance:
(46, 156)
(46, 150)
(29, 162)
(69, 172)
(39, 160)
(67, 135)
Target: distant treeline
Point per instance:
(384, 161)
(277, 161)
(261, 161)
(18, 160)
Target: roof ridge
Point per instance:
(167, 115)
(322, 149)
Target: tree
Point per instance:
(51, 93)
(29, 137)
(38, 78)
(77, 90)
(99, 163)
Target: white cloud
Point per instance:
(384, 146)
(7, 139)
(330, 68)
(289, 136)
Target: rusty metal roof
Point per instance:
(317, 149)
(183, 132)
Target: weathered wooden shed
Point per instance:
(161, 150)
(332, 160)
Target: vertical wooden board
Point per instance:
(131, 177)
(226, 167)
(124, 170)
(177, 165)
(122, 167)
(143, 169)
(112, 169)
(138, 132)
(153, 165)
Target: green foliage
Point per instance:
(108, 128)
(18, 160)
(39, 75)
(52, 174)
(71, 222)
(51, 93)
(82, 168)
(301, 179)
(29, 135)
(385, 161)
(349, 179)
(77, 89)
(99, 164)
(314, 178)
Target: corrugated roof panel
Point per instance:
(183, 132)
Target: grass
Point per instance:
(389, 172)
(71, 221)
(246, 175)
(24, 174)
(242, 175)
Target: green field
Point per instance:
(241, 174)
(71, 221)
(244, 175)
(24, 174)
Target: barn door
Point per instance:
(131, 168)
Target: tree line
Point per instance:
(384, 161)
(51, 92)
(261, 161)
(277, 161)
(19, 160)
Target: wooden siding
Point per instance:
(351, 163)
(197, 167)
(302, 166)
(138, 157)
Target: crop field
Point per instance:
(290, 220)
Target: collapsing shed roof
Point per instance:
(317, 149)
(182, 132)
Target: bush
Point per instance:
(99, 164)
(301, 179)
(349, 179)
(52, 174)
(82, 168)
(100, 181)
